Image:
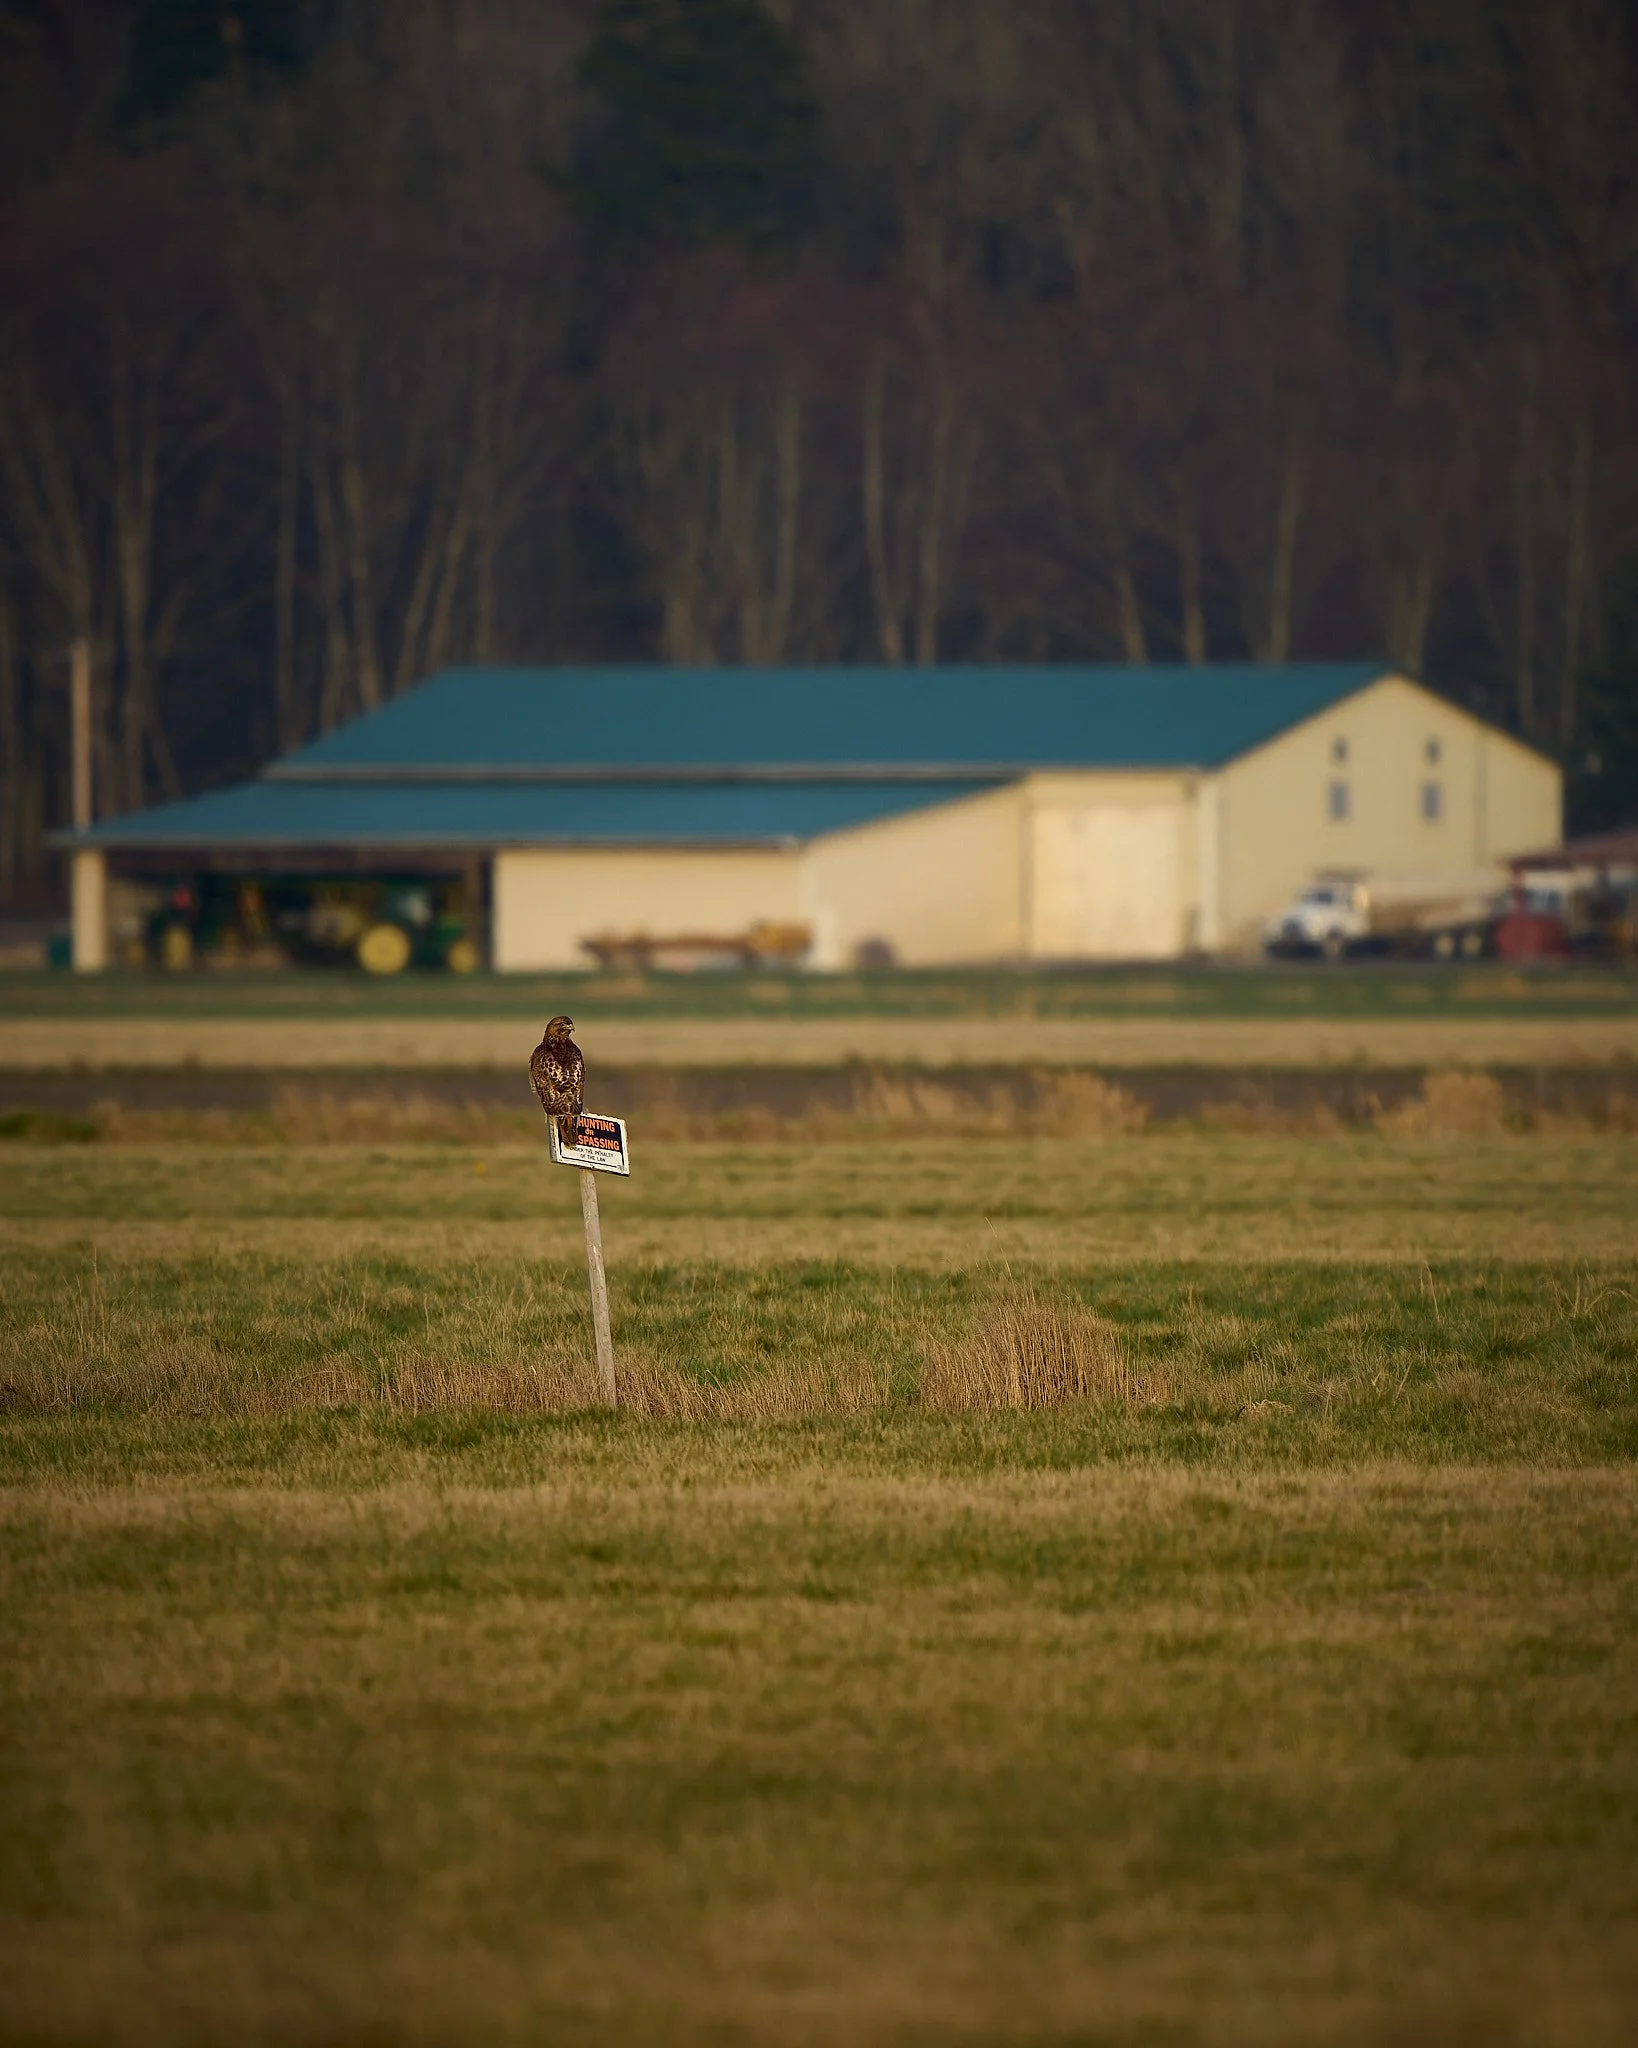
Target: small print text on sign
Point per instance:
(600, 1143)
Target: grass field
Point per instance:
(1380, 1014)
(1170, 1589)
(1358, 989)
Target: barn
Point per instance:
(926, 816)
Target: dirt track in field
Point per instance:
(427, 1042)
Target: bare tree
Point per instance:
(1160, 329)
(919, 445)
(716, 395)
(20, 792)
(414, 427)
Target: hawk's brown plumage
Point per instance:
(559, 1073)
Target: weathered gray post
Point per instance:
(601, 1333)
(599, 1147)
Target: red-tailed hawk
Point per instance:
(559, 1075)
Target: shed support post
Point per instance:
(90, 894)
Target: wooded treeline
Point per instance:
(344, 338)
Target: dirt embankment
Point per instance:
(750, 1103)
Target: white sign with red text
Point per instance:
(599, 1142)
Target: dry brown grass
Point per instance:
(566, 1384)
(849, 1385)
(1068, 1105)
(307, 1116)
(184, 1377)
(1028, 1353)
(874, 1102)
(102, 1346)
(906, 1104)
(1452, 1104)
(187, 1379)
(882, 1104)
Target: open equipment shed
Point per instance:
(930, 816)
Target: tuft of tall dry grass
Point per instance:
(1029, 1353)
(1453, 1104)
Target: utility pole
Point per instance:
(89, 877)
(602, 1339)
(80, 721)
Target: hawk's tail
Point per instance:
(566, 1125)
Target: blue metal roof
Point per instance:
(494, 757)
(477, 814)
(672, 721)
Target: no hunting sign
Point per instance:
(599, 1142)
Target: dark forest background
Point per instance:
(340, 339)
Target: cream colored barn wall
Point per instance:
(1522, 804)
(1275, 832)
(546, 900)
(940, 886)
(1113, 865)
(1113, 871)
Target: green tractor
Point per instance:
(383, 924)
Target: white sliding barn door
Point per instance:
(1108, 883)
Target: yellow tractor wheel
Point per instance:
(384, 949)
(462, 957)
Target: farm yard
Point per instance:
(1171, 1581)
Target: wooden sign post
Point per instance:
(599, 1147)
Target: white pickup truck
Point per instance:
(1439, 914)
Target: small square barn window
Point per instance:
(1433, 801)
(1338, 804)
(1339, 749)
(1431, 751)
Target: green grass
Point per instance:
(1365, 990)
(357, 1682)
(1566, 1198)
(740, 1744)
(279, 1362)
